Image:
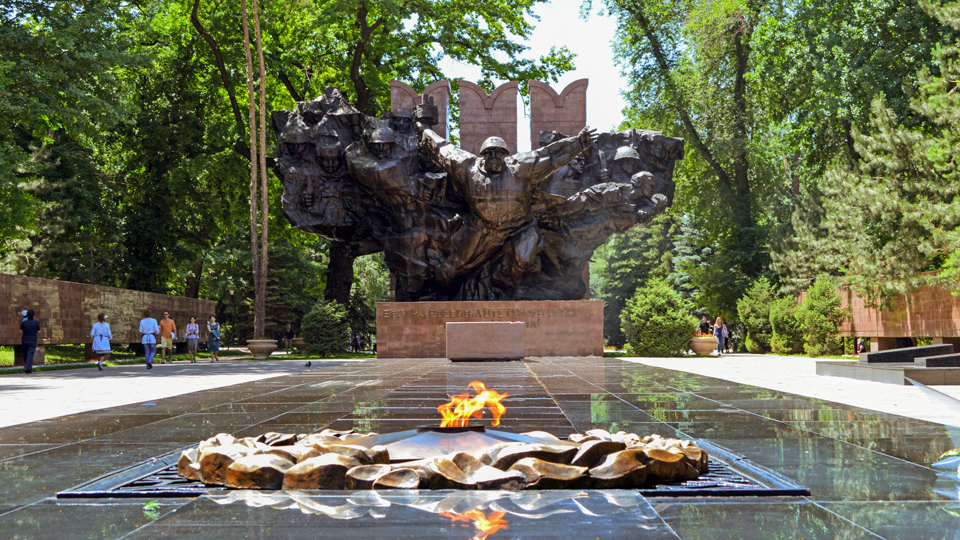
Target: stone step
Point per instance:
(943, 360)
(906, 355)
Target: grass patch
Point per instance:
(60, 357)
(62, 354)
(614, 354)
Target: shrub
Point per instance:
(326, 329)
(657, 321)
(787, 337)
(820, 317)
(754, 311)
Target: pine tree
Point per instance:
(635, 257)
(887, 225)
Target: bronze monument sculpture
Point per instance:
(458, 226)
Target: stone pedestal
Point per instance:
(551, 328)
(486, 340)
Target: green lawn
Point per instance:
(73, 354)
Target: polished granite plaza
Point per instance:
(868, 472)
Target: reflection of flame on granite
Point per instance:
(458, 411)
(377, 504)
(485, 525)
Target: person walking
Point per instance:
(30, 329)
(721, 333)
(101, 339)
(149, 329)
(288, 338)
(193, 339)
(214, 342)
(168, 332)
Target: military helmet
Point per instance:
(626, 152)
(330, 151)
(295, 133)
(383, 135)
(494, 142)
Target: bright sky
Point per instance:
(560, 24)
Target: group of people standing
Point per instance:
(166, 330)
(718, 330)
(150, 329)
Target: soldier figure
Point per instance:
(499, 191)
(626, 163)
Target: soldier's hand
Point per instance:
(587, 136)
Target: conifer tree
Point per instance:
(888, 223)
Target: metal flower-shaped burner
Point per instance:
(453, 455)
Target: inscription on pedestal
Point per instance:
(553, 328)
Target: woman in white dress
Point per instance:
(101, 339)
(149, 329)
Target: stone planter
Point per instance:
(703, 345)
(261, 348)
(300, 344)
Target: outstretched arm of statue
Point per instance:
(542, 162)
(453, 160)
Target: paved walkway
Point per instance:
(48, 394)
(798, 375)
(43, 395)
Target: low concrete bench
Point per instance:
(906, 355)
(486, 340)
(943, 360)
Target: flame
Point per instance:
(485, 525)
(458, 411)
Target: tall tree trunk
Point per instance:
(254, 165)
(260, 316)
(340, 267)
(193, 280)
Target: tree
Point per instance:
(885, 223)
(691, 69)
(59, 81)
(754, 310)
(786, 333)
(819, 317)
(657, 322)
(258, 167)
(633, 258)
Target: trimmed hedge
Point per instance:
(657, 321)
(787, 335)
(820, 317)
(754, 311)
(326, 329)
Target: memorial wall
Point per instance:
(66, 311)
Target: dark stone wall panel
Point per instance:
(67, 311)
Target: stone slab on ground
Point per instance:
(891, 373)
(906, 354)
(867, 471)
(486, 340)
(943, 360)
(48, 394)
(798, 374)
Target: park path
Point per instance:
(798, 375)
(44, 395)
(49, 394)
